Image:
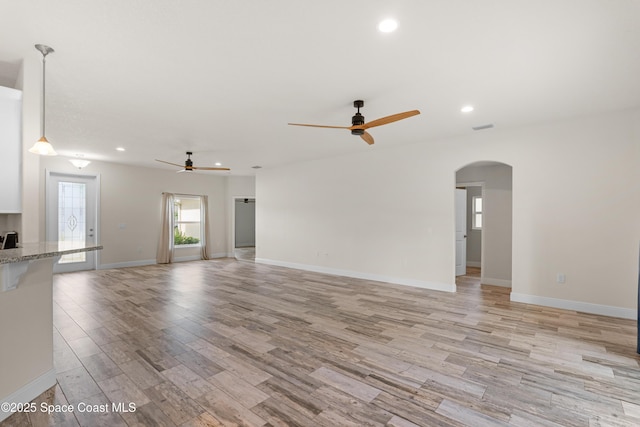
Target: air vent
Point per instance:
(256, 167)
(483, 127)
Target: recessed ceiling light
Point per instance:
(120, 149)
(388, 25)
(218, 164)
(467, 109)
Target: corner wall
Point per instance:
(29, 81)
(388, 213)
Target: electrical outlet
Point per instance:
(561, 278)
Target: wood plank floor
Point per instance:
(227, 342)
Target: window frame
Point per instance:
(475, 212)
(177, 222)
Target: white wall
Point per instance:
(131, 196)
(11, 149)
(30, 82)
(379, 215)
(26, 324)
(388, 213)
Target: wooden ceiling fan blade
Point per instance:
(389, 119)
(367, 138)
(319, 126)
(210, 169)
(169, 163)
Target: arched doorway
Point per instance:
(487, 187)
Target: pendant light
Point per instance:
(42, 146)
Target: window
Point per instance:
(187, 221)
(477, 213)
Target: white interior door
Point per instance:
(461, 231)
(71, 218)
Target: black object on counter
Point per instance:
(10, 240)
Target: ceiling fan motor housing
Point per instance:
(358, 119)
(188, 164)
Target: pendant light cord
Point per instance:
(44, 61)
(44, 50)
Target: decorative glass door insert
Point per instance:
(72, 219)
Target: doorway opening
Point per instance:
(469, 224)
(485, 255)
(244, 228)
(71, 218)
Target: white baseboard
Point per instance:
(30, 391)
(221, 255)
(187, 258)
(137, 263)
(584, 307)
(474, 264)
(436, 286)
(143, 262)
(496, 282)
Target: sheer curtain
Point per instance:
(165, 242)
(204, 227)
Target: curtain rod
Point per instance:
(184, 194)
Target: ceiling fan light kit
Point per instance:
(359, 126)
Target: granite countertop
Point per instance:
(31, 251)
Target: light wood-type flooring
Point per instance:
(245, 254)
(227, 342)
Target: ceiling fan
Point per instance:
(359, 127)
(188, 165)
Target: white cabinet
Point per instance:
(10, 150)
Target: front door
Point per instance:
(71, 218)
(461, 232)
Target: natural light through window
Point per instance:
(187, 221)
(477, 213)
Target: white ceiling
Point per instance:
(223, 78)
